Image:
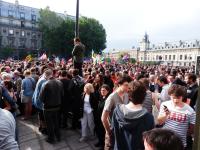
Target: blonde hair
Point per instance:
(90, 87)
(27, 73)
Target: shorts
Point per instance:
(26, 99)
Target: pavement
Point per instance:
(29, 138)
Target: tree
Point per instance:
(93, 35)
(52, 27)
(6, 52)
(58, 34)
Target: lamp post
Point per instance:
(77, 19)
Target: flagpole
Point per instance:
(77, 19)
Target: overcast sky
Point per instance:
(126, 21)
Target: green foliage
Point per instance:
(132, 60)
(108, 60)
(49, 20)
(58, 34)
(92, 34)
(6, 52)
(150, 63)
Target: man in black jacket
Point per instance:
(78, 55)
(76, 93)
(192, 94)
(51, 95)
(192, 90)
(67, 100)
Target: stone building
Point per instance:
(19, 27)
(181, 53)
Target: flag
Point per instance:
(28, 58)
(62, 61)
(57, 60)
(43, 57)
(70, 60)
(94, 57)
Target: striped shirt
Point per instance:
(148, 101)
(179, 119)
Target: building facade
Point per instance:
(19, 27)
(181, 53)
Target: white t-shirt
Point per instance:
(7, 131)
(87, 107)
(179, 119)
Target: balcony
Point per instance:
(18, 26)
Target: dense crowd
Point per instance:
(125, 106)
(119, 104)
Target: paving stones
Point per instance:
(29, 138)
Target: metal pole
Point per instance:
(77, 19)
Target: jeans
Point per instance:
(87, 122)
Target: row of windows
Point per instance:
(183, 46)
(22, 15)
(22, 43)
(22, 33)
(170, 57)
(22, 24)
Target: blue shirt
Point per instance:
(28, 85)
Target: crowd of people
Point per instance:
(124, 106)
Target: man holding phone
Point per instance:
(176, 115)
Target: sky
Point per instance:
(126, 21)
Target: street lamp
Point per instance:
(77, 19)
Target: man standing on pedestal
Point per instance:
(78, 55)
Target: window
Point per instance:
(165, 57)
(33, 25)
(185, 57)
(10, 22)
(22, 8)
(11, 42)
(22, 24)
(28, 34)
(11, 32)
(170, 57)
(156, 57)
(22, 43)
(10, 13)
(181, 57)
(22, 15)
(22, 33)
(4, 30)
(174, 57)
(33, 35)
(34, 44)
(33, 17)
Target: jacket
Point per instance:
(78, 53)
(93, 104)
(128, 127)
(36, 99)
(192, 93)
(51, 94)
